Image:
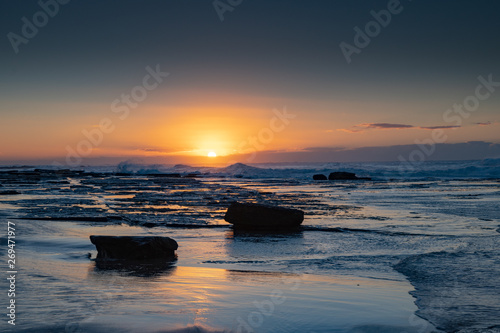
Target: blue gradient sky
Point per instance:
(227, 76)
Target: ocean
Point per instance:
(414, 249)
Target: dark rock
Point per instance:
(68, 218)
(342, 176)
(50, 171)
(9, 192)
(29, 173)
(114, 217)
(134, 247)
(192, 175)
(60, 182)
(67, 171)
(345, 176)
(258, 216)
(168, 175)
(95, 174)
(43, 170)
(319, 177)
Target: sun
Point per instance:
(212, 154)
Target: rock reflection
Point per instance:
(244, 233)
(143, 268)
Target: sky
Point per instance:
(99, 82)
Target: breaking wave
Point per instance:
(481, 169)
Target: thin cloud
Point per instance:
(385, 126)
(487, 123)
(390, 126)
(363, 127)
(438, 127)
(352, 130)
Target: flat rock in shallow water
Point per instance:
(134, 247)
(341, 175)
(258, 216)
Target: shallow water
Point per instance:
(60, 289)
(360, 247)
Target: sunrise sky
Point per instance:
(269, 81)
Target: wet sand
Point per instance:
(60, 288)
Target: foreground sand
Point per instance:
(61, 289)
